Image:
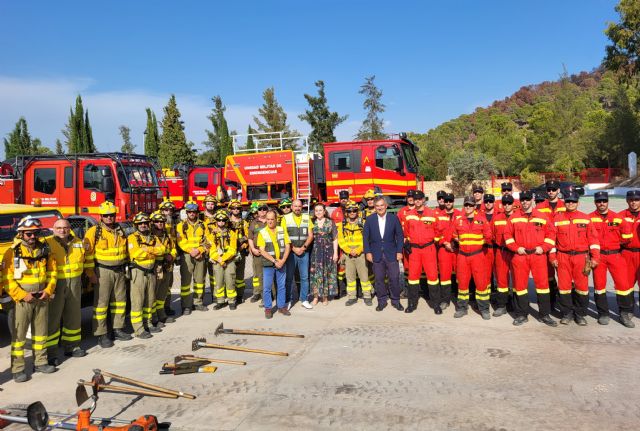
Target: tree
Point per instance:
(466, 167)
(59, 149)
(623, 55)
(323, 122)
(151, 136)
(19, 142)
(219, 140)
(373, 126)
(251, 145)
(127, 146)
(273, 119)
(78, 134)
(173, 142)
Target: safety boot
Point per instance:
(203, 307)
(485, 315)
(460, 312)
(120, 335)
(219, 306)
(154, 329)
(368, 302)
(232, 306)
(603, 319)
(45, 369)
(566, 319)
(411, 307)
(105, 341)
(547, 320)
(255, 298)
(520, 320)
(580, 320)
(20, 377)
(625, 319)
(144, 335)
(350, 302)
(500, 311)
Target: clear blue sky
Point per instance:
(432, 60)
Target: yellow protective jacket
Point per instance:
(350, 236)
(69, 258)
(223, 243)
(169, 247)
(143, 250)
(190, 236)
(104, 246)
(28, 270)
(241, 228)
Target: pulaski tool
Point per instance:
(202, 342)
(221, 330)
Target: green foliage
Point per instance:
(151, 135)
(19, 142)
(272, 118)
(219, 140)
(127, 146)
(78, 133)
(323, 122)
(373, 125)
(467, 166)
(623, 55)
(59, 148)
(529, 179)
(173, 142)
(251, 145)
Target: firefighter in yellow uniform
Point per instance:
(350, 240)
(167, 208)
(164, 267)
(208, 216)
(144, 247)
(105, 260)
(222, 252)
(190, 236)
(241, 228)
(29, 272)
(368, 207)
(68, 252)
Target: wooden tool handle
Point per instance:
(244, 349)
(125, 390)
(219, 361)
(148, 386)
(265, 333)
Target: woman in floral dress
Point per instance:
(324, 256)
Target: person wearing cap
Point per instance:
(506, 189)
(285, 208)
(540, 197)
(29, 270)
(440, 195)
(503, 256)
(421, 230)
(489, 212)
(164, 267)
(402, 216)
(529, 236)
(241, 228)
(446, 258)
(577, 251)
(167, 208)
(471, 231)
(257, 224)
(65, 306)
(105, 258)
(351, 242)
(478, 196)
(631, 250)
(338, 216)
(191, 240)
(613, 232)
(299, 227)
(222, 243)
(144, 248)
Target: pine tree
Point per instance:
(127, 146)
(272, 119)
(373, 126)
(151, 139)
(173, 142)
(251, 145)
(623, 55)
(59, 149)
(220, 141)
(19, 142)
(78, 133)
(323, 122)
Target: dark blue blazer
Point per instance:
(390, 244)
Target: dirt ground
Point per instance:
(361, 369)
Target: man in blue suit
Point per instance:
(383, 240)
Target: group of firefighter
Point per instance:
(489, 249)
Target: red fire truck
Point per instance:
(77, 184)
(187, 182)
(270, 173)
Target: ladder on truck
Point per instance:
(303, 177)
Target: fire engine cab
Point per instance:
(269, 172)
(188, 182)
(77, 184)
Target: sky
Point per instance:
(433, 60)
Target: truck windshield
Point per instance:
(410, 158)
(137, 176)
(9, 223)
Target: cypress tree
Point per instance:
(250, 144)
(173, 142)
(59, 149)
(272, 118)
(373, 126)
(151, 140)
(323, 122)
(19, 142)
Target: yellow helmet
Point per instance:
(167, 204)
(221, 215)
(141, 218)
(210, 198)
(157, 216)
(234, 203)
(29, 223)
(107, 207)
(370, 194)
(351, 205)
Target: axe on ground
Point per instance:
(202, 342)
(221, 330)
(180, 358)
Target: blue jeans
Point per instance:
(267, 277)
(302, 262)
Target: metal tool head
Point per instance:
(81, 394)
(195, 344)
(179, 358)
(219, 329)
(37, 416)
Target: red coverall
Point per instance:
(499, 208)
(421, 232)
(502, 265)
(402, 216)
(446, 259)
(613, 231)
(471, 235)
(631, 251)
(546, 208)
(490, 250)
(530, 230)
(576, 238)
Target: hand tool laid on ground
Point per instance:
(202, 342)
(198, 358)
(155, 388)
(221, 330)
(126, 390)
(177, 369)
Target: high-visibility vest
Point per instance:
(269, 246)
(69, 257)
(29, 270)
(190, 236)
(297, 233)
(143, 251)
(106, 246)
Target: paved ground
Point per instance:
(361, 369)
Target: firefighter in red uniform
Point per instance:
(421, 232)
(478, 194)
(446, 258)
(338, 217)
(529, 235)
(440, 195)
(507, 190)
(577, 251)
(631, 251)
(402, 216)
(471, 231)
(502, 265)
(613, 231)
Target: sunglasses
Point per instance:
(570, 202)
(352, 211)
(29, 234)
(469, 205)
(142, 223)
(555, 189)
(448, 201)
(191, 212)
(108, 215)
(526, 199)
(285, 206)
(602, 201)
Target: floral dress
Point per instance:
(323, 270)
